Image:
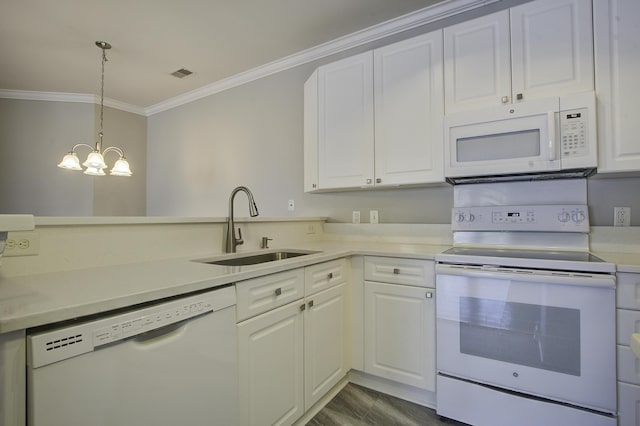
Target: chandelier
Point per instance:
(94, 163)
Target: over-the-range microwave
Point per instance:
(537, 139)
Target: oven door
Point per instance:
(542, 333)
(503, 140)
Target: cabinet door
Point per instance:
(311, 133)
(477, 68)
(325, 342)
(345, 122)
(408, 97)
(551, 48)
(400, 333)
(270, 367)
(628, 403)
(617, 50)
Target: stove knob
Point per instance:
(578, 216)
(471, 217)
(460, 217)
(564, 217)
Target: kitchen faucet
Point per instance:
(232, 241)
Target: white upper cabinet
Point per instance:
(539, 49)
(551, 48)
(477, 63)
(375, 119)
(345, 122)
(617, 56)
(408, 95)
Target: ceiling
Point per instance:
(48, 46)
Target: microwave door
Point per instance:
(502, 142)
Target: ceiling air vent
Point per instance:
(182, 72)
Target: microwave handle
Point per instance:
(551, 120)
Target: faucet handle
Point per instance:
(265, 242)
(239, 239)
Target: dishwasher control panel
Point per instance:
(547, 218)
(56, 345)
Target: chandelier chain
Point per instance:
(104, 59)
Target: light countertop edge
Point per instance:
(34, 300)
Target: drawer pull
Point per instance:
(429, 295)
(396, 271)
(330, 275)
(310, 304)
(278, 291)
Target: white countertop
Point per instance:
(35, 300)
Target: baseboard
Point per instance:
(399, 390)
(315, 409)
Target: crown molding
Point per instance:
(82, 98)
(394, 26)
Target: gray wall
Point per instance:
(34, 136)
(253, 135)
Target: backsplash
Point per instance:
(90, 242)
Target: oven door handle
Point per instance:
(546, 277)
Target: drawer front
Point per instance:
(628, 291)
(628, 365)
(324, 275)
(262, 294)
(394, 270)
(628, 323)
(628, 403)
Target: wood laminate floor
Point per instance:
(359, 406)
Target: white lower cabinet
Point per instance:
(325, 343)
(399, 321)
(271, 367)
(292, 355)
(628, 322)
(400, 333)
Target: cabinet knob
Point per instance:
(396, 271)
(429, 295)
(278, 291)
(310, 304)
(303, 307)
(314, 185)
(369, 181)
(504, 99)
(519, 96)
(330, 275)
(378, 180)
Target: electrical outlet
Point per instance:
(373, 216)
(22, 244)
(621, 216)
(291, 206)
(355, 216)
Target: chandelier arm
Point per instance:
(116, 149)
(81, 144)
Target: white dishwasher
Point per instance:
(171, 363)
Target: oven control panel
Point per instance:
(547, 218)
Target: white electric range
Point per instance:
(525, 314)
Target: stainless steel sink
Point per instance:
(255, 258)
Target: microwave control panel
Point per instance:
(573, 132)
(549, 218)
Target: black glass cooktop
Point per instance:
(570, 256)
